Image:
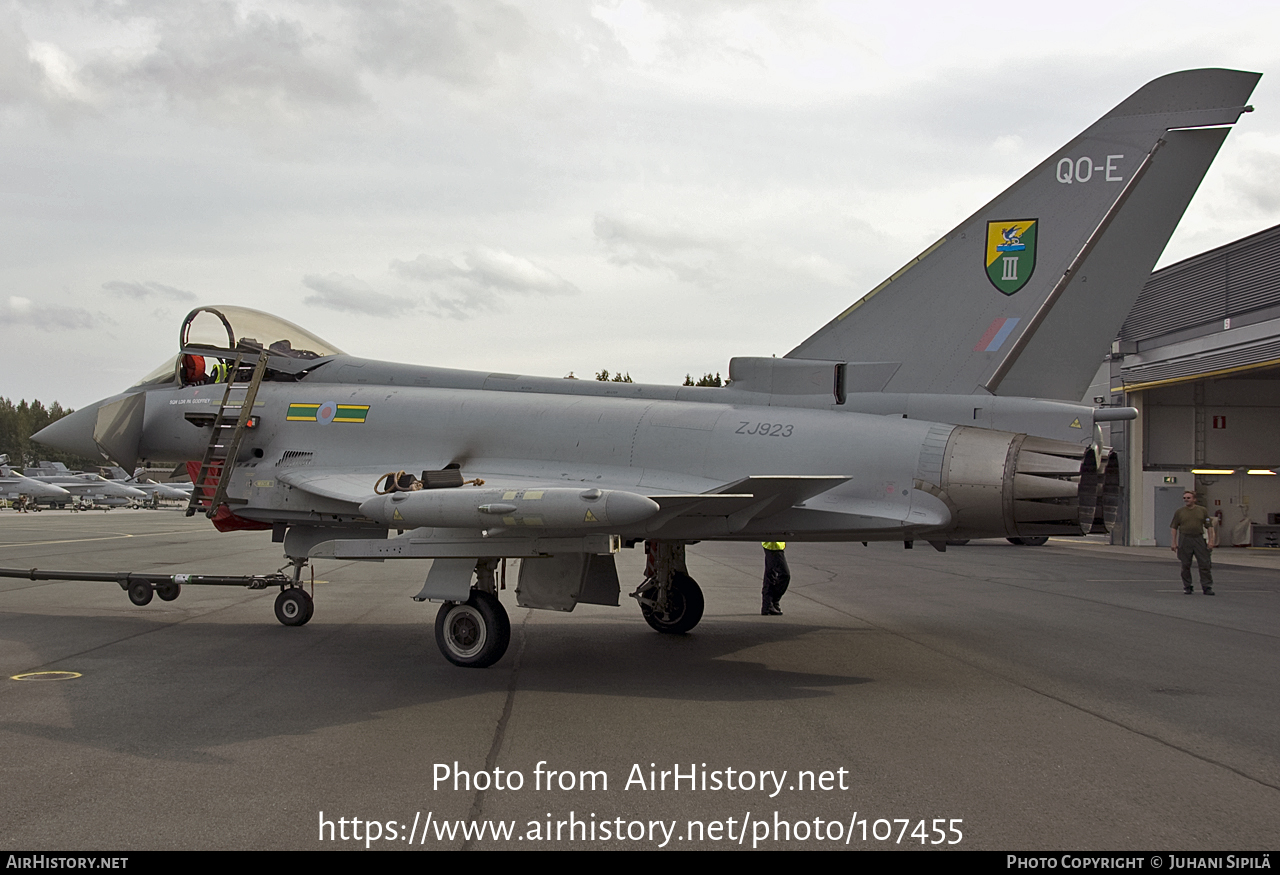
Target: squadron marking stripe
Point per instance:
(351, 413)
(311, 413)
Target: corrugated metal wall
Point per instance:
(1228, 281)
(1208, 363)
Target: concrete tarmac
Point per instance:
(1065, 697)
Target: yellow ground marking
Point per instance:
(46, 676)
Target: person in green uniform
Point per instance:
(777, 576)
(1187, 533)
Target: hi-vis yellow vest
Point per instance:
(774, 545)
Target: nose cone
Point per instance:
(36, 489)
(72, 433)
(111, 429)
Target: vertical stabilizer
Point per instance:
(1025, 296)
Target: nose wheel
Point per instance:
(294, 607)
(474, 633)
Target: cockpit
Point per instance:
(213, 339)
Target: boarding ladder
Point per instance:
(229, 426)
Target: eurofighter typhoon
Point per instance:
(939, 406)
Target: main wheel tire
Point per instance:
(474, 633)
(1038, 541)
(169, 591)
(294, 607)
(684, 607)
(140, 593)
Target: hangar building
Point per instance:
(1199, 357)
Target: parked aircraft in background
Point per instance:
(939, 406)
(13, 485)
(86, 487)
(154, 491)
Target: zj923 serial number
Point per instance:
(765, 429)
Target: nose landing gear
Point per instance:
(294, 606)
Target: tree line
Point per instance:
(18, 422)
(704, 380)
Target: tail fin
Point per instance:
(1026, 295)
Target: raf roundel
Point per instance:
(327, 411)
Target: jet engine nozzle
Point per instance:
(553, 508)
(1028, 486)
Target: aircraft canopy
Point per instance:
(220, 329)
(224, 326)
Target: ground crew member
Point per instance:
(1186, 531)
(776, 578)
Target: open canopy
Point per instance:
(224, 327)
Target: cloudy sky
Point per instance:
(543, 187)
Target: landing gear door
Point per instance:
(562, 582)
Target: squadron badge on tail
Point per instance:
(1011, 253)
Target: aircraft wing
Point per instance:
(355, 485)
(732, 506)
(743, 500)
(352, 485)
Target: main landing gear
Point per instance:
(475, 633)
(670, 600)
(674, 611)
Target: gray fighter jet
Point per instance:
(13, 485)
(88, 487)
(154, 491)
(939, 406)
